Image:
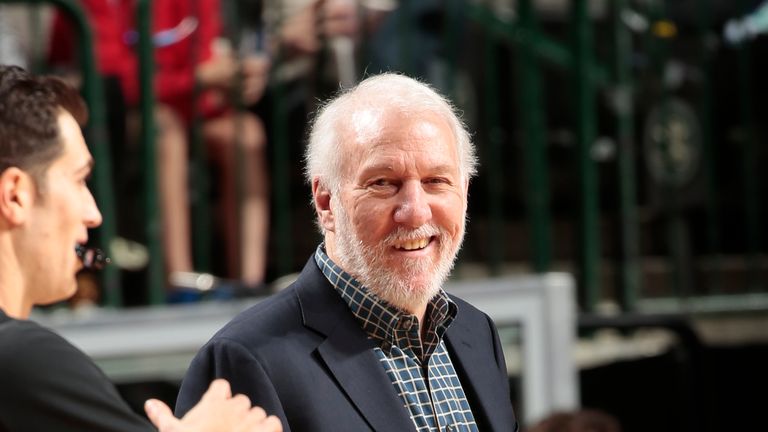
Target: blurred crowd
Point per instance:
(214, 63)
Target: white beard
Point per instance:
(419, 280)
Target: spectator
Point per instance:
(185, 33)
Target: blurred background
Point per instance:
(619, 193)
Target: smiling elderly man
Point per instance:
(366, 339)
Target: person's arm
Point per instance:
(176, 71)
(49, 385)
(302, 31)
(231, 361)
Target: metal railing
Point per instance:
(590, 79)
(522, 46)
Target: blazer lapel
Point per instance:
(476, 367)
(358, 371)
(349, 355)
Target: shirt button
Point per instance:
(449, 428)
(405, 324)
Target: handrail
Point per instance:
(156, 263)
(542, 45)
(531, 111)
(585, 109)
(280, 172)
(589, 75)
(533, 51)
(625, 130)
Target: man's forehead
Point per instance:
(366, 125)
(384, 143)
(372, 125)
(73, 141)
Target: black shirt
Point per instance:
(46, 384)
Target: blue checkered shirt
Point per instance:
(437, 402)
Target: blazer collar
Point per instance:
(480, 384)
(348, 353)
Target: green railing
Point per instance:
(625, 136)
(152, 218)
(530, 47)
(590, 74)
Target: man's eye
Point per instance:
(381, 182)
(437, 180)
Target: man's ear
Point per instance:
(321, 196)
(17, 195)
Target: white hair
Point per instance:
(357, 112)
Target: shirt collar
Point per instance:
(383, 322)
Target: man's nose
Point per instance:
(413, 209)
(92, 216)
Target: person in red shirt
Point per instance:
(185, 36)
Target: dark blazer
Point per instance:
(302, 356)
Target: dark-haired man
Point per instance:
(46, 210)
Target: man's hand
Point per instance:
(217, 411)
(255, 76)
(301, 32)
(220, 71)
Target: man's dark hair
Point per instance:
(29, 112)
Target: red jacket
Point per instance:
(183, 32)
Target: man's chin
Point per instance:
(68, 291)
(407, 292)
(59, 295)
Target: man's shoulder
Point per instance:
(470, 322)
(27, 347)
(24, 336)
(274, 312)
(277, 314)
(39, 369)
(466, 310)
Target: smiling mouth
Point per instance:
(411, 245)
